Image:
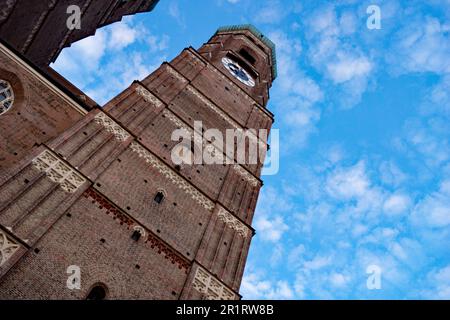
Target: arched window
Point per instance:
(98, 292)
(159, 197)
(6, 96)
(247, 56)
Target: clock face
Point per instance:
(238, 72)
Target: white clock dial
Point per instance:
(238, 72)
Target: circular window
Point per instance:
(6, 96)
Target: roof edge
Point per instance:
(259, 35)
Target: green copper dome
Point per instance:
(260, 36)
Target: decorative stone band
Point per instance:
(168, 252)
(246, 175)
(148, 96)
(176, 121)
(58, 171)
(172, 71)
(111, 126)
(211, 148)
(212, 106)
(211, 287)
(7, 248)
(126, 221)
(172, 176)
(233, 223)
(108, 207)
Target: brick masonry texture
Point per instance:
(38, 114)
(26, 27)
(194, 243)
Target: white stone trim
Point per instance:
(211, 148)
(58, 171)
(233, 222)
(7, 248)
(176, 121)
(210, 286)
(148, 96)
(111, 126)
(246, 175)
(172, 176)
(172, 71)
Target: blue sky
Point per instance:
(363, 117)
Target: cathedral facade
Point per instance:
(92, 205)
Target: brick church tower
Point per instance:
(99, 210)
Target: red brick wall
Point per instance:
(37, 115)
(76, 239)
(123, 153)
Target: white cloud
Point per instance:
(396, 204)
(434, 209)
(158, 43)
(438, 101)
(255, 287)
(338, 279)
(92, 48)
(380, 235)
(439, 213)
(423, 46)
(296, 256)
(104, 75)
(271, 12)
(347, 183)
(317, 263)
(391, 174)
(359, 229)
(175, 12)
(443, 275)
(348, 23)
(438, 284)
(270, 229)
(348, 67)
(427, 138)
(336, 56)
(297, 92)
(121, 36)
(277, 255)
(86, 52)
